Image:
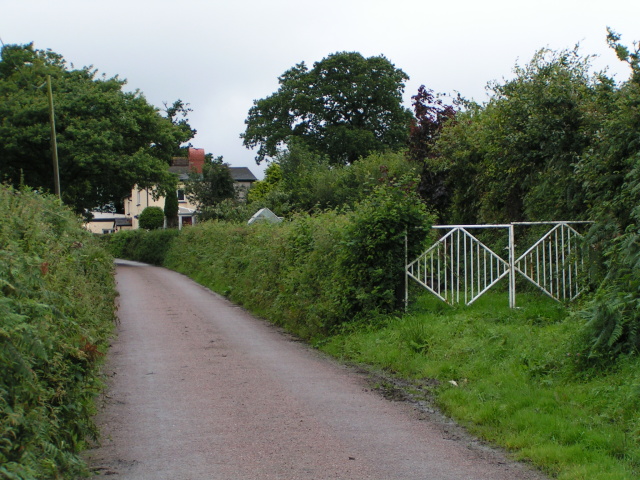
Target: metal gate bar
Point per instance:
(459, 267)
(555, 263)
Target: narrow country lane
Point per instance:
(199, 389)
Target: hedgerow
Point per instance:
(312, 273)
(141, 245)
(57, 312)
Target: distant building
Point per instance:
(142, 198)
(243, 179)
(108, 222)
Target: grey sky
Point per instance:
(221, 55)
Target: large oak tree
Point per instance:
(108, 139)
(345, 107)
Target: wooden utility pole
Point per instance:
(54, 143)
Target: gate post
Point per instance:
(406, 272)
(512, 268)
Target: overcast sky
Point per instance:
(220, 55)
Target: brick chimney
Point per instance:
(196, 159)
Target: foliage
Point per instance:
(345, 107)
(512, 377)
(611, 171)
(431, 114)
(515, 158)
(632, 57)
(261, 189)
(212, 186)
(314, 272)
(376, 250)
(108, 140)
(141, 245)
(228, 210)
(57, 309)
(171, 207)
(151, 218)
(307, 183)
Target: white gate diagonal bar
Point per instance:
(459, 268)
(555, 263)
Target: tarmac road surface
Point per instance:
(200, 389)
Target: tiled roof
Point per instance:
(242, 174)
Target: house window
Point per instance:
(181, 196)
(138, 197)
(107, 230)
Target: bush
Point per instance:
(141, 245)
(315, 272)
(375, 255)
(151, 218)
(57, 309)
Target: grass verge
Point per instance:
(513, 377)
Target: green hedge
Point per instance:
(57, 312)
(141, 245)
(313, 273)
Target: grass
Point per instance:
(514, 378)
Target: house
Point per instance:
(243, 179)
(142, 198)
(180, 166)
(108, 222)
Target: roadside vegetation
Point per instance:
(516, 378)
(56, 314)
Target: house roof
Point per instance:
(239, 174)
(242, 174)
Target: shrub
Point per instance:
(57, 309)
(151, 218)
(375, 246)
(313, 273)
(171, 208)
(141, 245)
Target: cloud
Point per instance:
(220, 55)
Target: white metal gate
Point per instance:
(555, 263)
(459, 268)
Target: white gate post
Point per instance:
(406, 272)
(512, 268)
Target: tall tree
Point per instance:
(345, 107)
(212, 186)
(431, 114)
(108, 139)
(515, 157)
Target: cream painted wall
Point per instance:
(143, 198)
